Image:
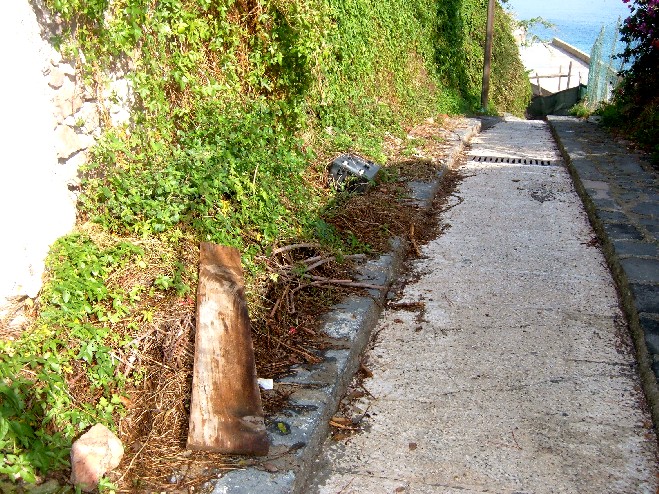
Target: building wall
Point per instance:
(49, 123)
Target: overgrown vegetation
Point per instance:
(237, 104)
(459, 56)
(635, 107)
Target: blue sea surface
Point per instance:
(577, 22)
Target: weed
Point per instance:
(71, 340)
(236, 107)
(580, 110)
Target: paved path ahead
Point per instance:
(516, 373)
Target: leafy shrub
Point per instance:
(234, 103)
(71, 340)
(229, 177)
(635, 108)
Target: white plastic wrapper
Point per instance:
(266, 384)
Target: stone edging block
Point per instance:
(626, 247)
(297, 432)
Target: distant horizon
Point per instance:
(578, 22)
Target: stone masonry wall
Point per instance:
(50, 122)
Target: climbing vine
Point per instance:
(235, 106)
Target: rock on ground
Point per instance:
(97, 452)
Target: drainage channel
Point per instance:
(513, 161)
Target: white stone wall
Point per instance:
(49, 122)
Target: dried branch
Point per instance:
(322, 261)
(287, 248)
(355, 284)
(344, 427)
(278, 303)
(413, 240)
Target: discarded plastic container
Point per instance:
(266, 384)
(352, 172)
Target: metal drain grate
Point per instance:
(513, 161)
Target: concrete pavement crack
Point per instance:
(420, 483)
(518, 387)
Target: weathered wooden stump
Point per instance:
(226, 414)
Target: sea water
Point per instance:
(578, 22)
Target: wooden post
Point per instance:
(537, 78)
(489, 34)
(569, 74)
(226, 414)
(560, 75)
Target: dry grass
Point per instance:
(154, 429)
(299, 284)
(284, 322)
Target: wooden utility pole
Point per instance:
(488, 54)
(226, 415)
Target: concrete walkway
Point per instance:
(621, 193)
(553, 58)
(506, 366)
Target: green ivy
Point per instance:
(224, 89)
(38, 415)
(233, 103)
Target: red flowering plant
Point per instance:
(635, 108)
(640, 32)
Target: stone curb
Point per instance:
(297, 432)
(629, 244)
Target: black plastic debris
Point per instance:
(352, 172)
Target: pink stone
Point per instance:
(93, 455)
